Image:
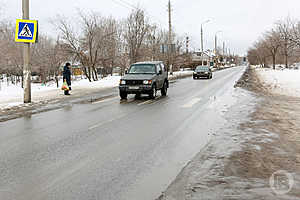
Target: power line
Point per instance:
(131, 6)
(122, 4)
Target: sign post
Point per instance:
(26, 32)
(26, 67)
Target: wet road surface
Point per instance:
(109, 149)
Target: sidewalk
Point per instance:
(256, 155)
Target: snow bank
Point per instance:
(285, 82)
(180, 74)
(12, 95)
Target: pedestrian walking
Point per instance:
(67, 77)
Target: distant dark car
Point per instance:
(144, 78)
(202, 71)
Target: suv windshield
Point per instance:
(202, 69)
(142, 69)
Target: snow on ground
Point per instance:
(12, 95)
(180, 74)
(285, 82)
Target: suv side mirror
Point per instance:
(160, 72)
(126, 71)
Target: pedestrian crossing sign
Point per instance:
(26, 31)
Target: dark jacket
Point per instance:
(67, 75)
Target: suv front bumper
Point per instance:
(201, 75)
(135, 89)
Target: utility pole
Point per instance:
(216, 44)
(223, 53)
(201, 45)
(187, 44)
(202, 49)
(216, 48)
(170, 37)
(26, 58)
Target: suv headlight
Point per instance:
(206, 72)
(122, 82)
(147, 82)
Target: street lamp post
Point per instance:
(216, 41)
(202, 50)
(216, 46)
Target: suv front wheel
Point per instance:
(123, 95)
(152, 93)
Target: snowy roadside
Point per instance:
(281, 82)
(49, 97)
(11, 96)
(255, 155)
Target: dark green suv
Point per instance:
(144, 78)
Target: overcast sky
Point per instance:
(241, 21)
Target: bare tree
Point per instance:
(10, 52)
(285, 28)
(137, 28)
(272, 43)
(294, 35)
(93, 46)
(262, 53)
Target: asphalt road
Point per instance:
(109, 149)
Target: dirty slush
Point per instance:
(257, 156)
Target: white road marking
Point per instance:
(105, 122)
(145, 102)
(105, 100)
(191, 103)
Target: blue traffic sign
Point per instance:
(26, 31)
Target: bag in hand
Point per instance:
(65, 86)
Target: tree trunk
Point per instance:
(22, 84)
(86, 74)
(286, 54)
(89, 72)
(95, 74)
(274, 61)
(286, 61)
(56, 80)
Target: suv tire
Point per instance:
(123, 95)
(152, 93)
(138, 96)
(164, 89)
